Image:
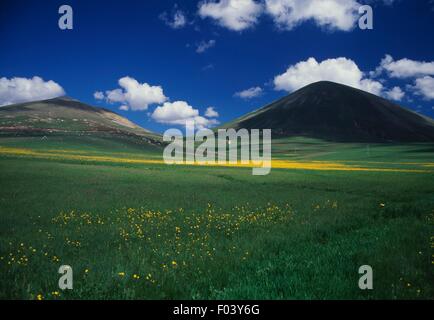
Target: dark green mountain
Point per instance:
(337, 112)
(66, 116)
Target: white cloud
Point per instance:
(176, 20)
(202, 122)
(235, 15)
(205, 45)
(395, 94)
(425, 87)
(211, 113)
(98, 95)
(134, 95)
(405, 68)
(174, 112)
(332, 14)
(138, 96)
(179, 20)
(116, 95)
(178, 113)
(18, 90)
(369, 85)
(249, 93)
(239, 15)
(340, 70)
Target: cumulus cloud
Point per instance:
(205, 45)
(395, 94)
(340, 70)
(239, 15)
(249, 93)
(18, 90)
(174, 112)
(176, 19)
(211, 113)
(235, 15)
(134, 95)
(98, 95)
(424, 87)
(404, 68)
(331, 14)
(179, 113)
(202, 122)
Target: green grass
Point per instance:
(205, 233)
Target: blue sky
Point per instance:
(241, 50)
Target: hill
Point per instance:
(336, 112)
(66, 116)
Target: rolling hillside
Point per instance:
(68, 117)
(84, 187)
(336, 112)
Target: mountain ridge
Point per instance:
(324, 110)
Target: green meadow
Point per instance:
(152, 231)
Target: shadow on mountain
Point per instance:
(335, 112)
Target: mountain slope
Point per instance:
(66, 116)
(337, 112)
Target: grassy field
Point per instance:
(142, 230)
